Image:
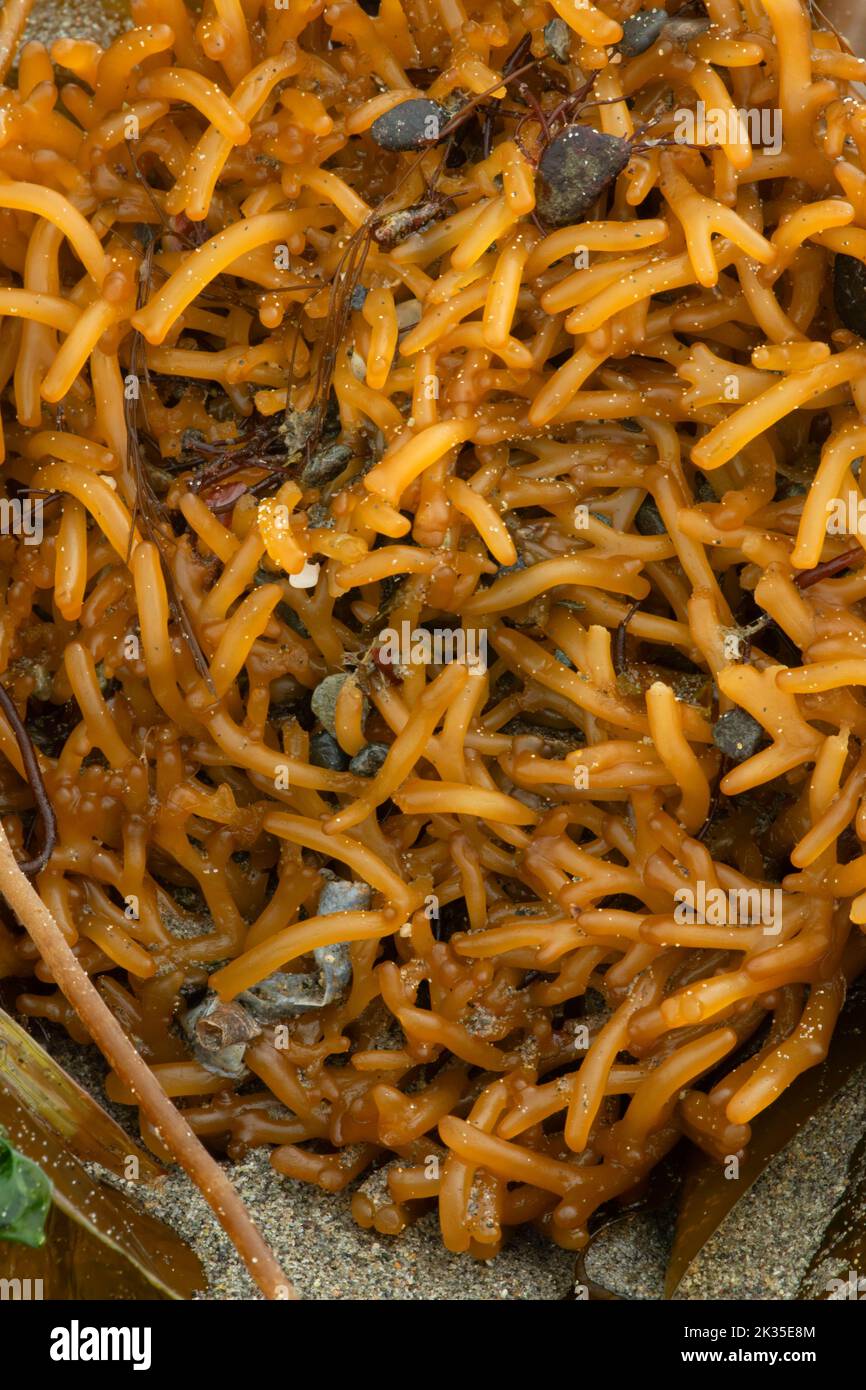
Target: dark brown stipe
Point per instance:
(724, 768)
(33, 866)
(482, 96)
(620, 635)
(828, 568)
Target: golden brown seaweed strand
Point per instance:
(120, 1054)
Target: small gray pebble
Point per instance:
(738, 734)
(324, 701)
(556, 36)
(409, 126)
(641, 31)
(344, 895)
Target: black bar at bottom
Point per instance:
(154, 1338)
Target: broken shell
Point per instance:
(306, 577)
(219, 1033)
(335, 966)
(335, 963)
(283, 995)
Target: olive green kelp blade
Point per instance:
(97, 1244)
(708, 1196)
(41, 1085)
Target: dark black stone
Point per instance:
(49, 726)
(788, 488)
(409, 126)
(575, 168)
(738, 735)
(325, 751)
(641, 31)
(369, 760)
(649, 519)
(849, 293)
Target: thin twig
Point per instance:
(816, 10)
(470, 105)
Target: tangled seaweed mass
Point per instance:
(340, 350)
